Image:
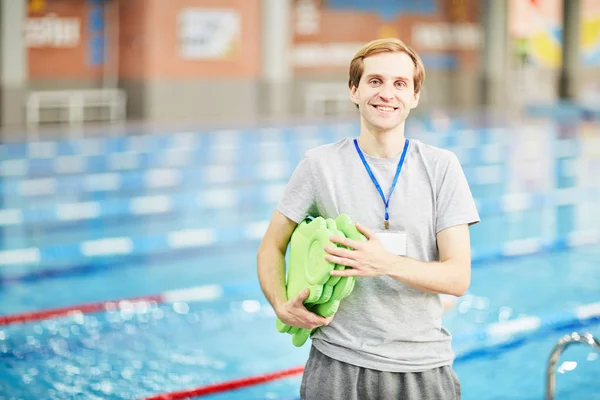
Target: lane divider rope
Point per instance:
(197, 154)
(193, 294)
(262, 195)
(213, 292)
(187, 239)
(204, 177)
(228, 138)
(228, 385)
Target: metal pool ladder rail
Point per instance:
(562, 344)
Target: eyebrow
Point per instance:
(402, 78)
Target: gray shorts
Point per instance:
(328, 379)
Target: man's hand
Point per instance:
(368, 259)
(294, 313)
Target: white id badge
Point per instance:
(394, 242)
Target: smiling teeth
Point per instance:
(385, 108)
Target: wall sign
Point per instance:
(208, 33)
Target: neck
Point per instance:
(381, 144)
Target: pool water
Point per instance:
(157, 347)
(163, 347)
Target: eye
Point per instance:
(375, 81)
(401, 84)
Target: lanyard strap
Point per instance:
(398, 169)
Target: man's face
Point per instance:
(385, 93)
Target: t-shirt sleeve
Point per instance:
(298, 199)
(455, 203)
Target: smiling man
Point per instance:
(414, 205)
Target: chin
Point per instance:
(386, 125)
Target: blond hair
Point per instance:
(391, 45)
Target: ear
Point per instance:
(416, 100)
(353, 94)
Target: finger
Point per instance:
(324, 321)
(303, 295)
(365, 231)
(339, 251)
(344, 241)
(307, 324)
(346, 272)
(321, 320)
(314, 320)
(346, 262)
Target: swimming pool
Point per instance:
(544, 215)
(161, 348)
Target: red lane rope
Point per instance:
(64, 311)
(228, 385)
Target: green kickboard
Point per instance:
(307, 268)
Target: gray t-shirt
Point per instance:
(384, 324)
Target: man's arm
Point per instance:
(271, 275)
(271, 259)
(451, 275)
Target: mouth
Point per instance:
(385, 109)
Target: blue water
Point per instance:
(164, 348)
(520, 372)
(159, 348)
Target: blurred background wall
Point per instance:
(239, 60)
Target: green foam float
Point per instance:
(307, 268)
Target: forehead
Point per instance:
(389, 64)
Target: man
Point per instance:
(414, 205)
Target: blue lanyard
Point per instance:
(398, 169)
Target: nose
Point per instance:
(387, 92)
